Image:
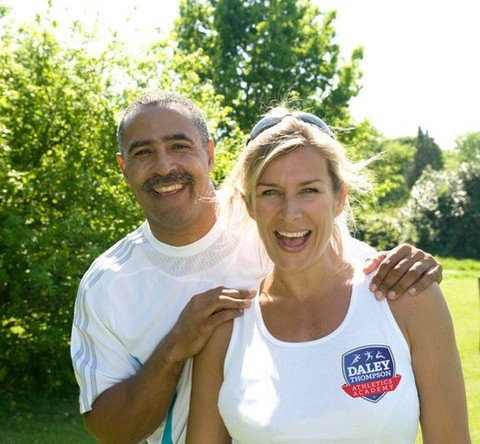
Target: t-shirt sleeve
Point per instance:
(99, 358)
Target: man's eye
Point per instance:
(142, 152)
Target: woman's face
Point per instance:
(294, 206)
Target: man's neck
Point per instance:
(179, 236)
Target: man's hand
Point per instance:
(405, 268)
(203, 314)
(149, 393)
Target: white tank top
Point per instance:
(355, 385)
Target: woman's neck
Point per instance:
(330, 272)
(307, 305)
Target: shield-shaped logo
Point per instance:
(369, 372)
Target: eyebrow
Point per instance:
(167, 138)
(306, 182)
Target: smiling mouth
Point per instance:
(292, 239)
(166, 189)
(168, 185)
(292, 234)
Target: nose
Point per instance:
(163, 162)
(291, 209)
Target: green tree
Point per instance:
(63, 199)
(468, 147)
(443, 212)
(163, 67)
(427, 153)
(58, 177)
(375, 217)
(264, 51)
(392, 171)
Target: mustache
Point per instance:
(150, 184)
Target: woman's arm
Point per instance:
(427, 325)
(205, 424)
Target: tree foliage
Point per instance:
(57, 181)
(165, 67)
(265, 51)
(427, 153)
(393, 170)
(467, 146)
(63, 200)
(63, 197)
(443, 212)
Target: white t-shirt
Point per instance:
(355, 385)
(133, 294)
(131, 297)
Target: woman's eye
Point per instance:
(180, 146)
(310, 190)
(269, 192)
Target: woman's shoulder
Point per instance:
(216, 347)
(417, 313)
(419, 302)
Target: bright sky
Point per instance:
(421, 63)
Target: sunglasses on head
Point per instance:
(269, 121)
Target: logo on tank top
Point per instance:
(369, 372)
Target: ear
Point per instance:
(211, 154)
(123, 167)
(342, 200)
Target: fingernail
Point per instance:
(412, 290)
(379, 295)
(373, 287)
(391, 294)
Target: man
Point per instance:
(136, 324)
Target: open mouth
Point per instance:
(293, 239)
(168, 189)
(169, 185)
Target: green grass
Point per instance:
(41, 419)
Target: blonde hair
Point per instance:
(289, 134)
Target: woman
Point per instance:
(316, 358)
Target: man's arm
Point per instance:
(133, 409)
(405, 268)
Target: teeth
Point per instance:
(168, 189)
(293, 234)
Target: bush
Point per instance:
(443, 212)
(63, 197)
(59, 190)
(380, 231)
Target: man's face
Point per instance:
(167, 168)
